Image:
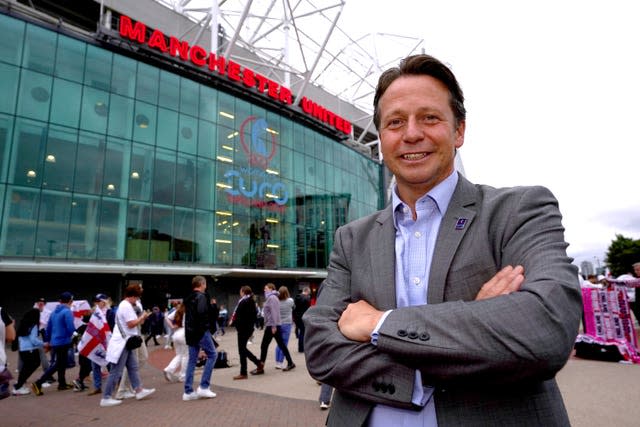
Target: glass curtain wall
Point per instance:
(104, 158)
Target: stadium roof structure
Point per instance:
(301, 41)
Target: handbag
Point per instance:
(133, 342)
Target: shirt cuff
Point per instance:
(374, 334)
(421, 394)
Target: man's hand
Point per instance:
(507, 280)
(359, 320)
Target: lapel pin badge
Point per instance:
(461, 223)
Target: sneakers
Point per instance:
(78, 386)
(46, 384)
(324, 405)
(289, 367)
(109, 402)
(144, 393)
(279, 365)
(169, 376)
(240, 377)
(37, 390)
(205, 393)
(20, 391)
(190, 396)
(125, 395)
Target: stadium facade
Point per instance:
(129, 153)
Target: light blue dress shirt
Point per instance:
(414, 246)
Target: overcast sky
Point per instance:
(552, 96)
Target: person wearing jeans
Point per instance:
(286, 318)
(197, 326)
(126, 326)
(272, 324)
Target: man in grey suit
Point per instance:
(457, 304)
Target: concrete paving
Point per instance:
(595, 393)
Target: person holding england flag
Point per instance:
(94, 340)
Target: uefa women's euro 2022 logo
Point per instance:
(256, 185)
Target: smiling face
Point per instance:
(418, 134)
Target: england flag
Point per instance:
(93, 344)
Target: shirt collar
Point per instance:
(441, 195)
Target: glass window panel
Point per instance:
(95, 110)
(6, 128)
(60, 158)
(167, 129)
(161, 234)
(97, 72)
(228, 144)
(226, 110)
(242, 248)
(116, 168)
(185, 181)
(286, 162)
(298, 168)
(188, 135)
(243, 110)
(208, 101)
(164, 177)
(123, 78)
(205, 184)
(223, 237)
(138, 239)
(206, 139)
(70, 59)
(286, 133)
(147, 81)
(120, 116)
(169, 93)
(8, 87)
(144, 128)
(222, 185)
(90, 163)
(35, 95)
(319, 145)
(298, 138)
(19, 222)
(28, 153)
(204, 237)
(189, 98)
(53, 225)
(65, 104)
(83, 232)
(39, 49)
(142, 161)
(11, 42)
(112, 229)
(184, 247)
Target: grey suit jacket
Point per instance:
(493, 361)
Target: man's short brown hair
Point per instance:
(197, 281)
(422, 65)
(133, 290)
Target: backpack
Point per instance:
(222, 361)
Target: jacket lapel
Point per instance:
(383, 261)
(455, 224)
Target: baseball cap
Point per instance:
(66, 297)
(101, 297)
